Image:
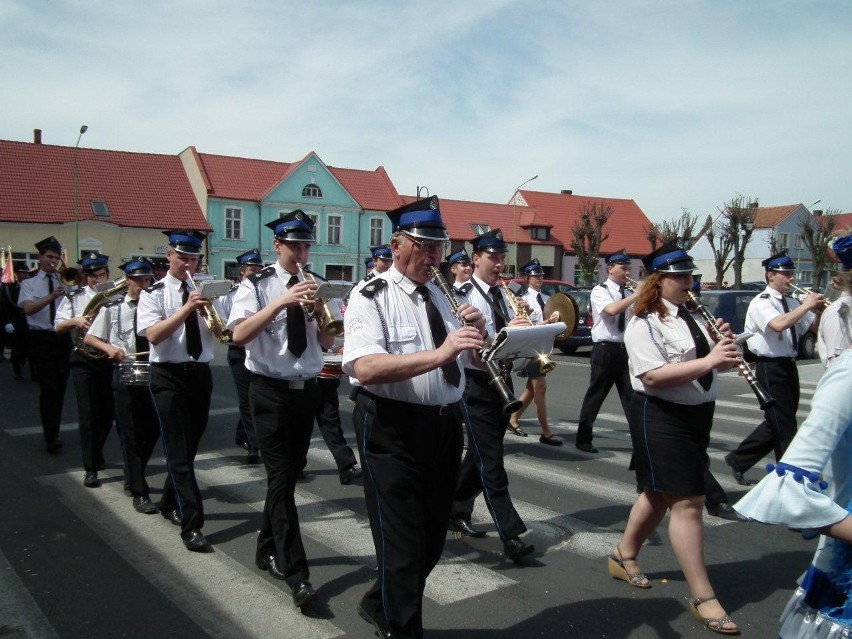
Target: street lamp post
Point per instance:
(76, 255)
(515, 219)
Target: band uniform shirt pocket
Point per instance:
(402, 339)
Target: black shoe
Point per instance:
(172, 515)
(195, 541)
(303, 592)
(515, 549)
(253, 456)
(516, 431)
(144, 505)
(270, 563)
(53, 446)
(725, 511)
(740, 478)
(381, 630)
(553, 440)
(463, 527)
(586, 447)
(91, 479)
(348, 475)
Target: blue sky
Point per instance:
(672, 104)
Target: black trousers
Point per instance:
(283, 420)
(608, 367)
(328, 419)
(136, 419)
(410, 455)
(245, 429)
(95, 406)
(49, 355)
(780, 378)
(181, 395)
(17, 344)
(482, 468)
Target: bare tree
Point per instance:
(816, 235)
(683, 227)
(587, 237)
(730, 234)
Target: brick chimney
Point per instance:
(36, 136)
(567, 192)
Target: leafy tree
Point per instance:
(587, 236)
(816, 235)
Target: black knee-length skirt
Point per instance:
(669, 444)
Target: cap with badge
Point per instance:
(842, 247)
(250, 258)
(48, 243)
(420, 219)
(491, 242)
(669, 258)
(295, 226)
(459, 257)
(92, 261)
(368, 262)
(779, 262)
(619, 257)
(187, 241)
(381, 252)
(139, 267)
(533, 268)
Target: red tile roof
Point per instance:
(767, 217)
(142, 190)
(843, 220)
(238, 178)
(626, 226)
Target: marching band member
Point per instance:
(461, 268)
(673, 373)
(49, 351)
(609, 302)
(482, 468)
(283, 356)
(379, 262)
(181, 347)
(250, 263)
(13, 320)
(113, 331)
(92, 378)
(536, 387)
(403, 345)
(776, 322)
(835, 326)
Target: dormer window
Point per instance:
(479, 229)
(312, 190)
(540, 233)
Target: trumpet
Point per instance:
(803, 292)
(544, 360)
(330, 318)
(631, 284)
(511, 404)
(211, 316)
(763, 398)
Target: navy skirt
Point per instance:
(669, 445)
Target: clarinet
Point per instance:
(510, 403)
(763, 398)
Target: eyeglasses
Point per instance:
(429, 246)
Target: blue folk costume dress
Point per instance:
(795, 495)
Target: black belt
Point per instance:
(618, 344)
(287, 384)
(761, 358)
(180, 366)
(43, 330)
(442, 410)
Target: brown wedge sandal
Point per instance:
(716, 625)
(618, 571)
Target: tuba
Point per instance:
(329, 316)
(95, 304)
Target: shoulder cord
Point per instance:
(383, 323)
(651, 335)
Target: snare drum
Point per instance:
(133, 373)
(332, 365)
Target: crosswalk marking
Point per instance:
(19, 612)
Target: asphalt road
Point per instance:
(78, 562)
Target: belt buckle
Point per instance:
(444, 410)
(296, 384)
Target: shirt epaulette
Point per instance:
(234, 288)
(369, 290)
(75, 292)
(764, 296)
(114, 302)
(368, 277)
(463, 290)
(263, 273)
(155, 287)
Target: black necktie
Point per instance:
(439, 333)
(540, 300)
(500, 312)
(53, 301)
(193, 334)
(622, 318)
(793, 327)
(142, 344)
(702, 348)
(297, 338)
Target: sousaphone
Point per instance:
(568, 311)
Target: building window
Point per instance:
(338, 272)
(800, 244)
(233, 223)
(540, 233)
(333, 229)
(377, 231)
(311, 190)
(479, 229)
(783, 241)
(806, 277)
(99, 209)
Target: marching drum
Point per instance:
(332, 365)
(132, 373)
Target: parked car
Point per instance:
(549, 287)
(732, 306)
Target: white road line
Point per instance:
(20, 614)
(202, 585)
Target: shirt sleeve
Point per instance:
(762, 312)
(26, 293)
(363, 330)
(644, 343)
(101, 323)
(63, 311)
(243, 305)
(148, 312)
(599, 298)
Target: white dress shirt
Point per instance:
(267, 353)
(763, 309)
(605, 327)
(34, 288)
(531, 296)
(114, 324)
(652, 342)
(835, 329)
(72, 305)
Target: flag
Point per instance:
(8, 269)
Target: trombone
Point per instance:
(211, 316)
